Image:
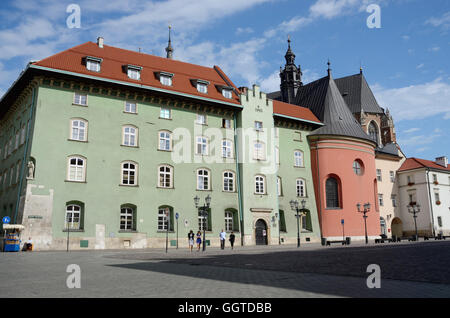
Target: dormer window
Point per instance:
(201, 85)
(165, 78)
(93, 63)
(134, 72)
(227, 91)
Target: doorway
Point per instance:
(261, 232)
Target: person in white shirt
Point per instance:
(223, 236)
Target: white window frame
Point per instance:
(258, 125)
(78, 99)
(163, 218)
(78, 128)
(73, 212)
(227, 148)
(392, 176)
(202, 175)
(379, 175)
(300, 187)
(93, 65)
(127, 137)
(165, 142)
(201, 119)
(162, 176)
(129, 170)
(166, 80)
(202, 88)
(227, 93)
(226, 123)
(163, 111)
(201, 141)
(129, 107)
(127, 215)
(228, 181)
(380, 199)
(299, 159)
(229, 221)
(76, 172)
(134, 73)
(279, 186)
(260, 184)
(394, 200)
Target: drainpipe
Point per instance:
(25, 153)
(431, 202)
(238, 176)
(319, 187)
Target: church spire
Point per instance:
(169, 48)
(291, 77)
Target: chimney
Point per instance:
(243, 90)
(442, 161)
(100, 42)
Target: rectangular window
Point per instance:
(201, 119)
(379, 175)
(436, 198)
(22, 135)
(202, 146)
(130, 107)
(202, 88)
(134, 74)
(380, 199)
(164, 113)
(165, 80)
(394, 200)
(439, 219)
(80, 99)
(392, 175)
(435, 178)
(259, 151)
(93, 65)
(163, 219)
(226, 123)
(258, 125)
(227, 93)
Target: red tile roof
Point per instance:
(415, 163)
(294, 111)
(114, 59)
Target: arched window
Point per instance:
(165, 140)
(301, 188)
(260, 185)
(76, 169)
(129, 173)
(358, 167)
(165, 176)
(127, 218)
(228, 221)
(332, 193)
(130, 136)
(78, 129)
(228, 181)
(373, 131)
(298, 158)
(203, 180)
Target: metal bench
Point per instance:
(332, 242)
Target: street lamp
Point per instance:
(299, 212)
(366, 209)
(204, 214)
(278, 216)
(414, 209)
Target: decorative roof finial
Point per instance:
(169, 48)
(360, 68)
(329, 68)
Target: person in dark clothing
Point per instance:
(191, 237)
(232, 238)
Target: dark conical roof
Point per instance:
(357, 94)
(324, 99)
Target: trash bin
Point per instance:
(324, 241)
(348, 240)
(12, 243)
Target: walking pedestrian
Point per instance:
(199, 240)
(232, 238)
(191, 240)
(223, 237)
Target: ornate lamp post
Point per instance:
(366, 209)
(204, 214)
(414, 209)
(299, 212)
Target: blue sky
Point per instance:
(406, 61)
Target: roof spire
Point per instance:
(169, 48)
(360, 68)
(290, 56)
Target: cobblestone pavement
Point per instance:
(407, 270)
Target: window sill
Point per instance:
(125, 112)
(165, 188)
(333, 209)
(165, 150)
(164, 231)
(129, 185)
(129, 146)
(224, 191)
(84, 141)
(74, 181)
(79, 105)
(164, 118)
(260, 193)
(299, 166)
(204, 190)
(72, 230)
(128, 231)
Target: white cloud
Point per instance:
(416, 101)
(443, 21)
(406, 37)
(246, 30)
(420, 66)
(411, 130)
(434, 49)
